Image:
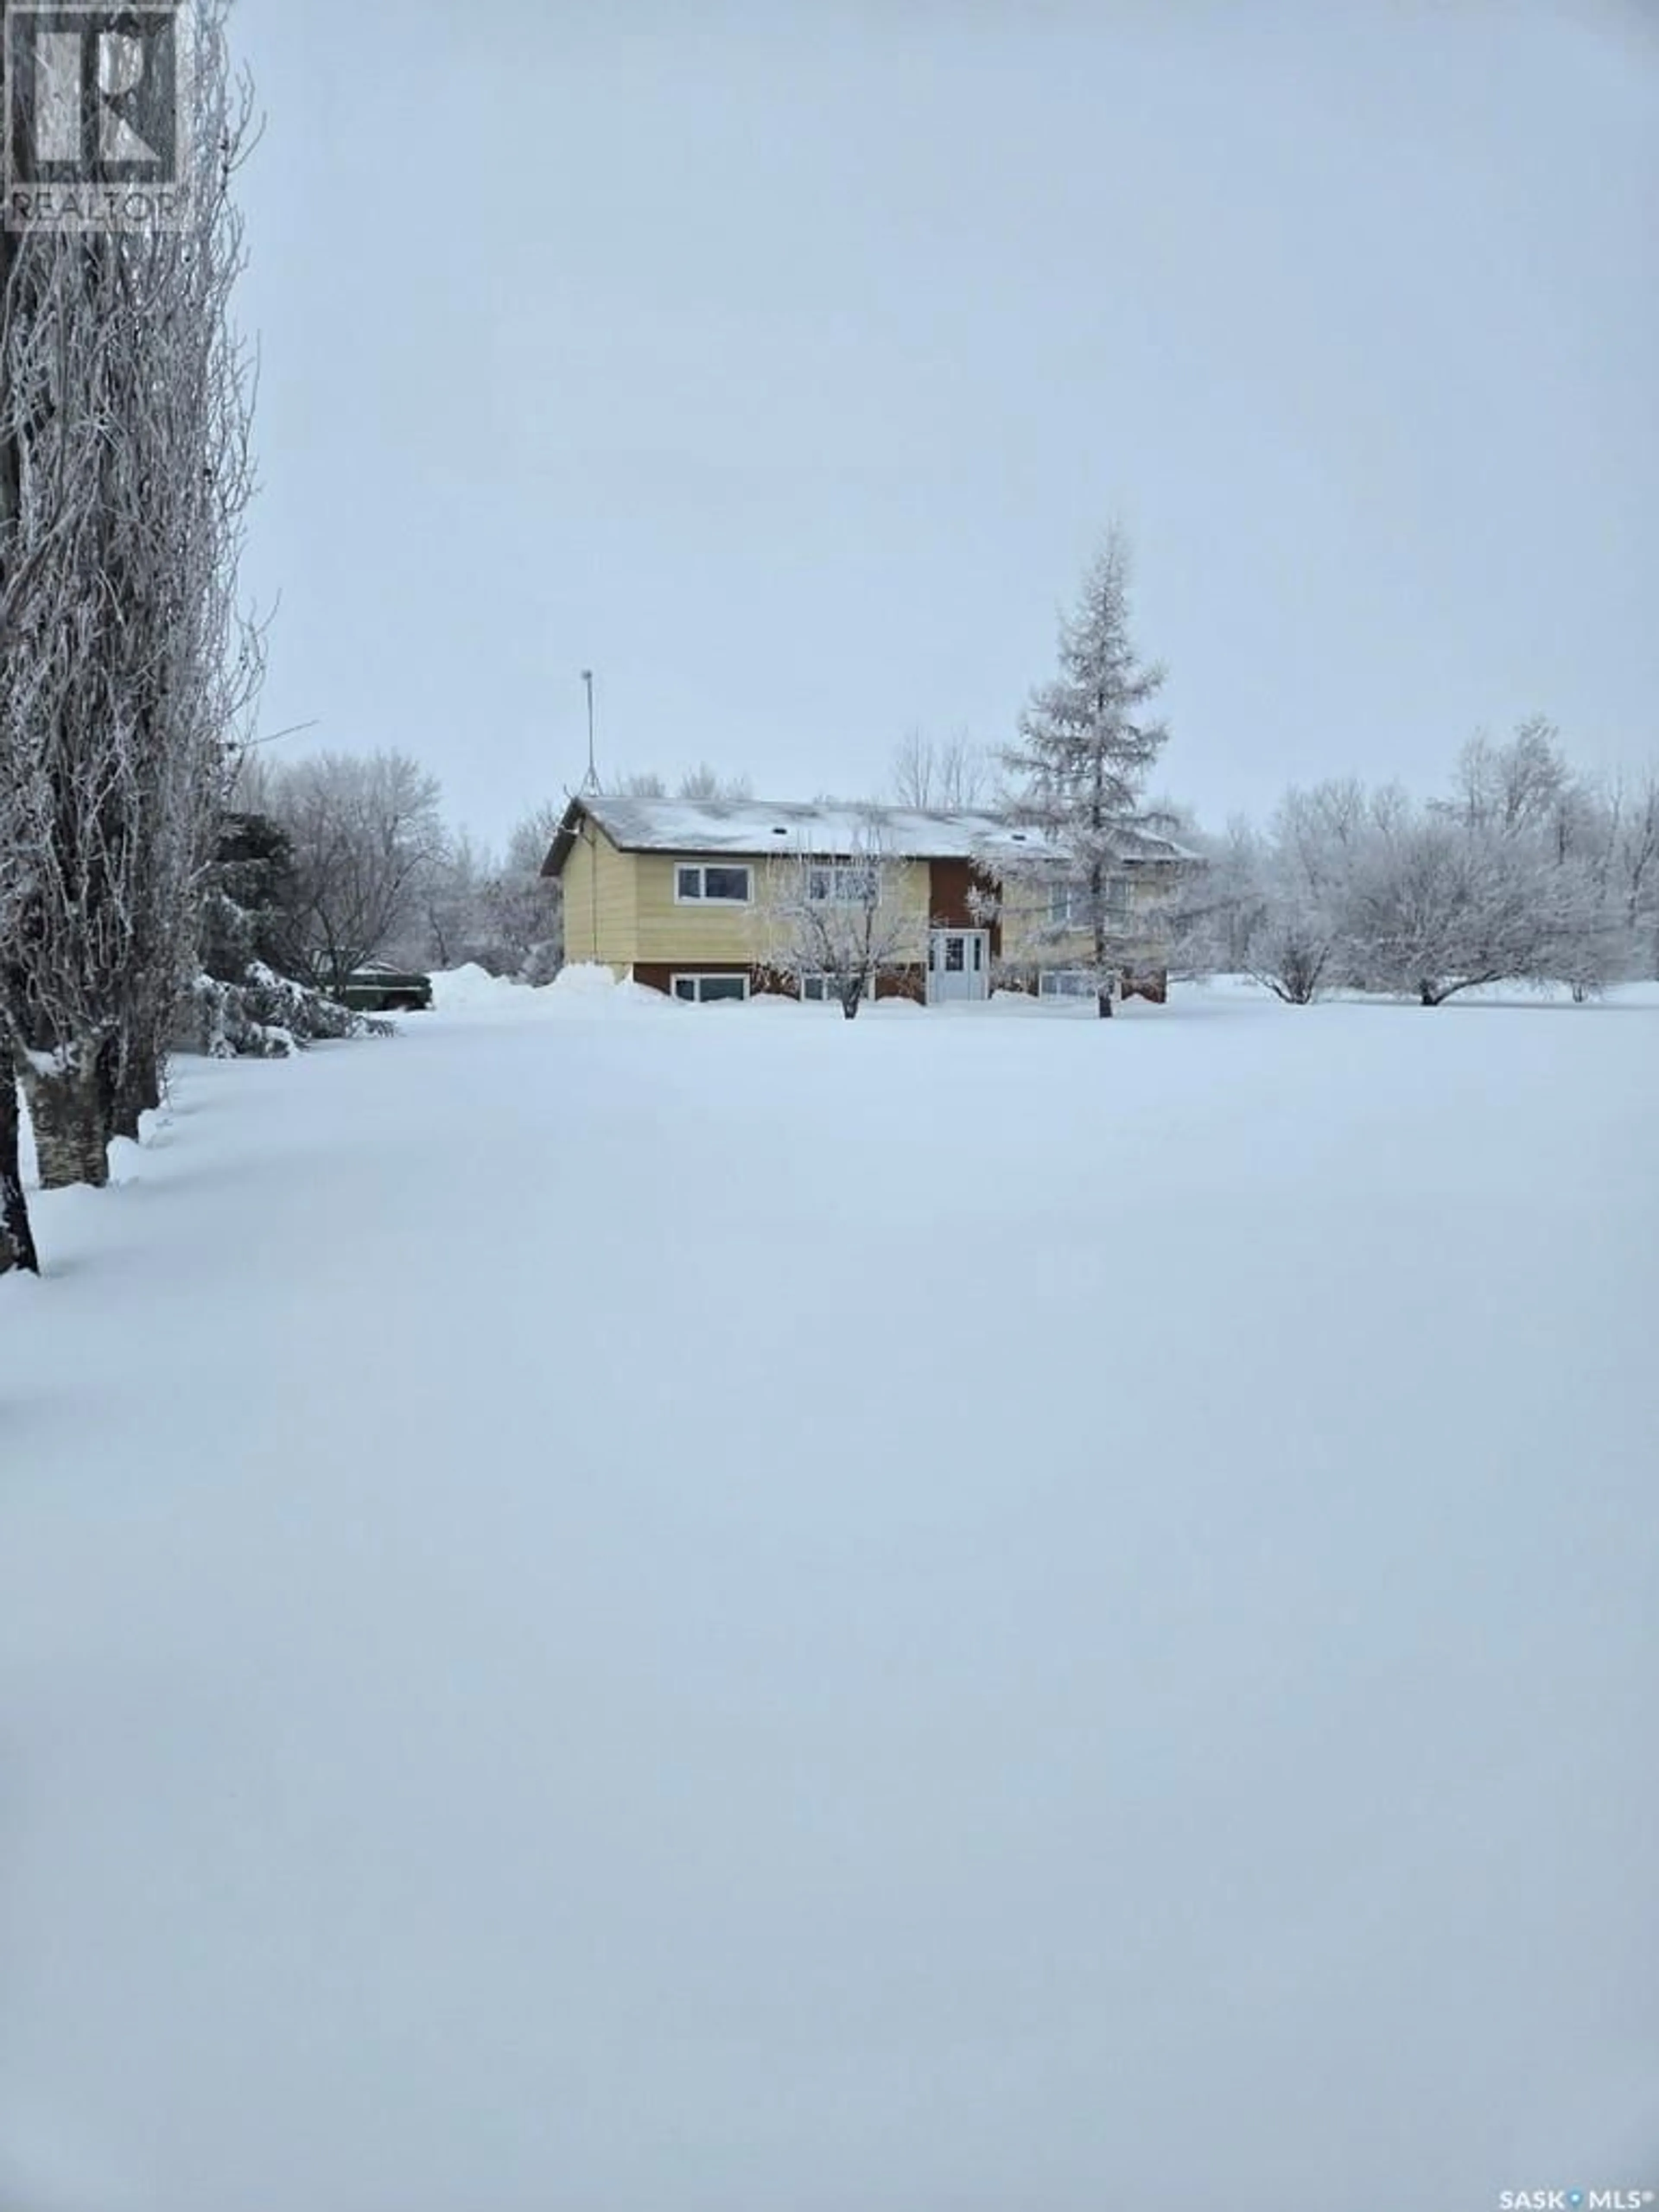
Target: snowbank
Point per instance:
(457, 990)
(587, 988)
(578, 990)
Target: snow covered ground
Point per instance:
(609, 1607)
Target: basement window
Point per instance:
(1067, 983)
(708, 884)
(821, 990)
(705, 990)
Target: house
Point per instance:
(683, 895)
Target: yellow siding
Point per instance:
(601, 906)
(697, 934)
(1025, 913)
(692, 933)
(620, 908)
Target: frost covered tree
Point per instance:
(1221, 907)
(125, 666)
(1434, 909)
(453, 928)
(16, 1236)
(1088, 741)
(836, 922)
(529, 905)
(503, 915)
(1629, 812)
(1300, 939)
(367, 836)
(247, 998)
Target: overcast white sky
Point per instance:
(784, 364)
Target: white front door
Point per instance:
(958, 965)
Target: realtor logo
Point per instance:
(93, 126)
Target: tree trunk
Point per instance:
(16, 1238)
(70, 1110)
(138, 1090)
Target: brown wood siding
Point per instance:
(951, 899)
(903, 983)
(1152, 983)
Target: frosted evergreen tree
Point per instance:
(1088, 741)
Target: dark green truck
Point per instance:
(378, 989)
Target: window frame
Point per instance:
(822, 975)
(697, 976)
(1086, 976)
(1068, 902)
(1068, 905)
(702, 870)
(839, 873)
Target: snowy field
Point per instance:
(608, 1607)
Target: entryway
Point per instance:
(958, 965)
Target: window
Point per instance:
(1067, 983)
(1068, 903)
(859, 885)
(704, 990)
(821, 990)
(707, 885)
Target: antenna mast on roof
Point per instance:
(591, 781)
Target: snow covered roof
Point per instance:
(754, 826)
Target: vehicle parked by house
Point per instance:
(377, 988)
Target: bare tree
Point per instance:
(1214, 918)
(366, 834)
(705, 781)
(530, 906)
(949, 776)
(836, 923)
(1632, 812)
(504, 916)
(450, 897)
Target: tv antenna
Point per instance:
(591, 781)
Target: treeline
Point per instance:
(1523, 869)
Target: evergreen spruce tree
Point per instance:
(1087, 743)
